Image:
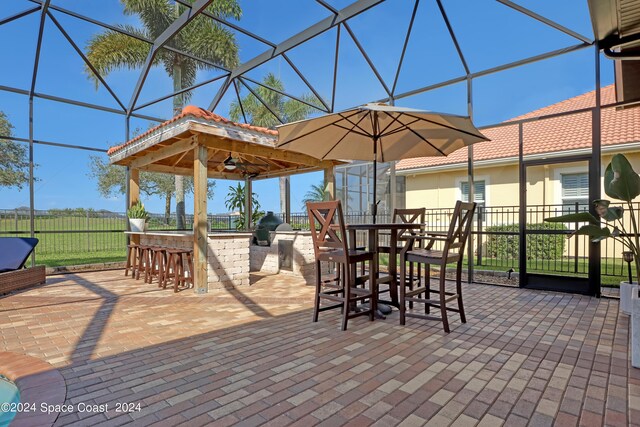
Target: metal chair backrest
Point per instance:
(326, 223)
(460, 226)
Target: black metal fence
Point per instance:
(77, 236)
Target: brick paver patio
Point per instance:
(252, 356)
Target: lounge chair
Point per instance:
(14, 253)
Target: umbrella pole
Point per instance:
(374, 205)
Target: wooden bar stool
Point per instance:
(132, 259)
(143, 260)
(175, 268)
(157, 257)
(160, 264)
(454, 242)
(331, 245)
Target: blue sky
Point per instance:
(490, 34)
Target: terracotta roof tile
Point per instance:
(200, 113)
(562, 133)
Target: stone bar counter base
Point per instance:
(228, 257)
(227, 254)
(231, 256)
(266, 259)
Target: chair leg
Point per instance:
(373, 288)
(463, 318)
(316, 304)
(148, 267)
(140, 258)
(128, 264)
(152, 266)
(401, 302)
(443, 304)
(162, 267)
(179, 273)
(410, 282)
(190, 265)
(427, 285)
(347, 294)
(167, 271)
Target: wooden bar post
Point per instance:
(330, 183)
(200, 273)
(134, 196)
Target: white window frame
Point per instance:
(557, 178)
(485, 178)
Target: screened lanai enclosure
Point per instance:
(82, 76)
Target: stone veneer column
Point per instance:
(229, 260)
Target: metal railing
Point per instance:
(68, 235)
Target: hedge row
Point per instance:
(539, 246)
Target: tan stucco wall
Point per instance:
(442, 189)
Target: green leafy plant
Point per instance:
(539, 246)
(621, 182)
(235, 202)
(137, 211)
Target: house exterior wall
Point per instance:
(442, 189)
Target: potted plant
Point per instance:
(138, 217)
(621, 182)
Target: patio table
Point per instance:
(372, 233)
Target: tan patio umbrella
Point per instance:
(381, 133)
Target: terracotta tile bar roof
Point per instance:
(557, 134)
(199, 113)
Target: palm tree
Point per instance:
(203, 38)
(235, 203)
(289, 110)
(317, 193)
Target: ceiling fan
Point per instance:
(232, 163)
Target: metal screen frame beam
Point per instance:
(544, 20)
(174, 28)
(77, 103)
(295, 98)
(123, 31)
(85, 59)
(19, 15)
(318, 28)
(493, 70)
(404, 50)
(229, 24)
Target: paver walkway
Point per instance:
(252, 356)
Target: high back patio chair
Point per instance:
(453, 242)
(330, 245)
(406, 216)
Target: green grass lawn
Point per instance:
(79, 258)
(106, 242)
(610, 277)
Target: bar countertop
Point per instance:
(186, 233)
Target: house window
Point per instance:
(478, 193)
(575, 189)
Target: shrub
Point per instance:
(300, 225)
(539, 246)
